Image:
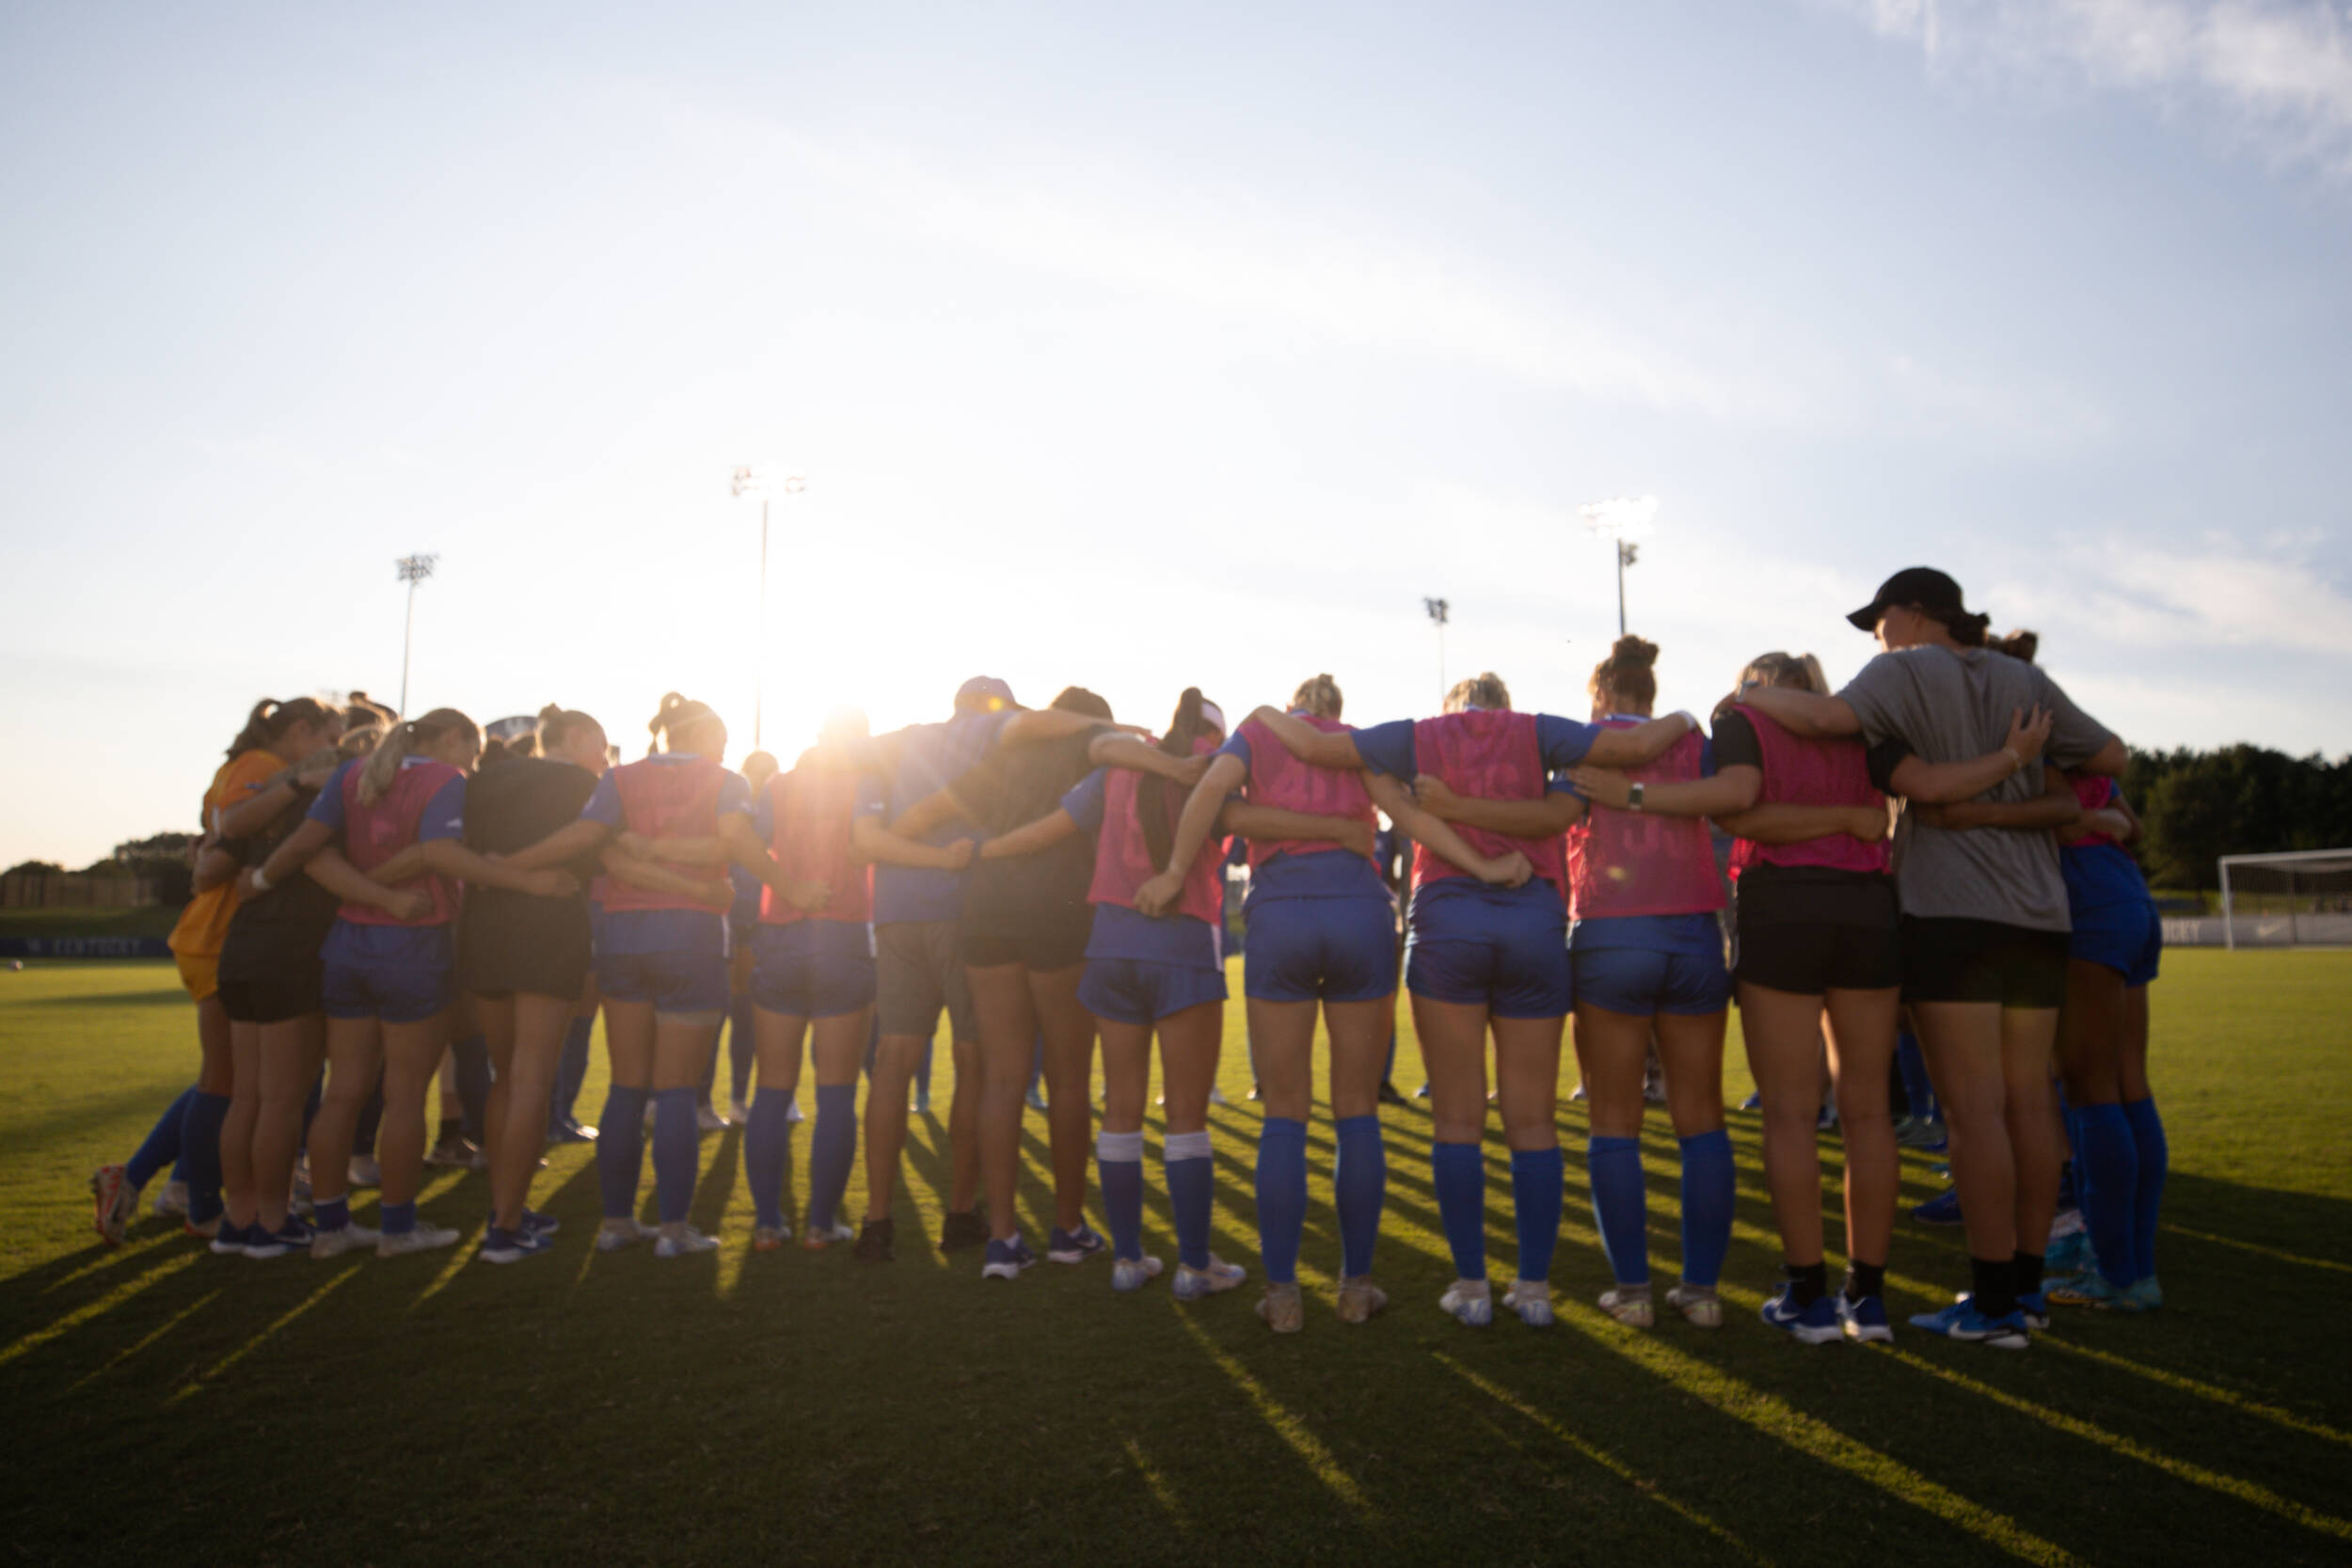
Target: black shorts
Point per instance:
(285, 996)
(538, 945)
(1809, 957)
(1047, 937)
(1982, 960)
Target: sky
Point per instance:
(1143, 348)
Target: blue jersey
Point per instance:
(929, 758)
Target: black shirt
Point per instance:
(288, 924)
(1013, 787)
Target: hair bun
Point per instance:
(1634, 650)
(554, 710)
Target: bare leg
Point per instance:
(238, 1196)
(289, 1060)
(886, 1118)
(1069, 1031)
(1007, 1025)
(411, 1053)
(354, 1053)
(1862, 1054)
(1963, 1041)
(1783, 1033)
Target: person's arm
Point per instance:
(1276, 825)
(449, 857)
(1125, 751)
(1031, 725)
(214, 866)
(1934, 783)
(878, 844)
(1805, 713)
(708, 850)
(351, 885)
(1203, 807)
(1639, 745)
(2056, 807)
(2105, 819)
(1547, 818)
(569, 842)
(289, 857)
(1029, 837)
(940, 806)
(656, 878)
(1510, 870)
(1795, 824)
(1729, 792)
(1322, 747)
(260, 808)
(2109, 759)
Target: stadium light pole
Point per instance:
(750, 482)
(414, 569)
(1623, 520)
(1438, 612)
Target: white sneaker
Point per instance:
(1471, 1301)
(922, 1103)
(1131, 1273)
(1217, 1096)
(613, 1235)
(1282, 1308)
(1360, 1298)
(173, 1199)
(817, 1239)
(1630, 1305)
(1698, 1303)
(1532, 1300)
(334, 1243)
(364, 1172)
(424, 1238)
(1192, 1284)
(706, 1119)
(685, 1242)
(740, 1111)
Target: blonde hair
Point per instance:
(1318, 695)
(2017, 644)
(1801, 672)
(1629, 673)
(402, 739)
(678, 714)
(1484, 690)
(558, 724)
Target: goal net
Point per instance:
(2299, 899)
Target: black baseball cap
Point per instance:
(1924, 586)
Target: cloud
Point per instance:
(2277, 73)
(2170, 599)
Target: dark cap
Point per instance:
(984, 692)
(1924, 586)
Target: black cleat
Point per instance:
(873, 1242)
(963, 1227)
(1389, 1095)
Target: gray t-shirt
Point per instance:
(1953, 707)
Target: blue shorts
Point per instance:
(812, 968)
(673, 982)
(395, 994)
(1137, 991)
(1510, 957)
(1642, 981)
(2128, 937)
(1320, 950)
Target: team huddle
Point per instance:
(1935, 850)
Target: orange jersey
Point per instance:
(204, 923)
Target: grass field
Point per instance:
(165, 1405)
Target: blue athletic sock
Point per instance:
(676, 1152)
(471, 1057)
(1459, 1172)
(1119, 1161)
(200, 1146)
(1918, 1089)
(1185, 1164)
(1282, 1197)
(621, 1151)
(570, 1068)
(743, 1048)
(400, 1218)
(1620, 1206)
(1707, 1185)
(2156, 1159)
(2110, 1189)
(832, 1150)
(331, 1213)
(162, 1147)
(767, 1151)
(1360, 1187)
(1538, 1192)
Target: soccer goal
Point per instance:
(2299, 899)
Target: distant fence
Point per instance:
(34, 889)
(2261, 931)
(84, 948)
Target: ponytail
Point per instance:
(1967, 629)
(1629, 673)
(400, 741)
(2017, 644)
(557, 725)
(676, 715)
(1153, 808)
(1318, 695)
(271, 719)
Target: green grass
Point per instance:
(615, 1409)
(141, 920)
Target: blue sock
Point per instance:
(1185, 1164)
(1360, 1187)
(1458, 1171)
(1282, 1197)
(2110, 1189)
(832, 1150)
(621, 1151)
(2156, 1159)
(1620, 1206)
(472, 1058)
(743, 1048)
(1119, 1161)
(767, 1150)
(331, 1213)
(1919, 1088)
(1707, 1185)
(570, 1068)
(400, 1218)
(677, 1151)
(199, 1146)
(1538, 1192)
(162, 1147)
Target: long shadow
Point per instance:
(160, 996)
(73, 1130)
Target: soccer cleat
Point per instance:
(1035, 1100)
(613, 1235)
(1864, 1321)
(363, 1171)
(1754, 1100)
(512, 1247)
(1133, 1274)
(203, 1229)
(1005, 1260)
(1532, 1300)
(451, 1153)
(708, 1119)
(792, 1116)
(874, 1242)
(569, 1130)
(2088, 1288)
(1255, 1090)
(1423, 1093)
(1219, 1277)
(1814, 1323)
(962, 1227)
(1917, 1131)
(1075, 1247)
(1388, 1094)
(1217, 1096)
(1827, 1120)
(173, 1199)
(229, 1239)
(2035, 1308)
(1282, 1308)
(292, 1236)
(116, 1199)
(770, 1238)
(1943, 1209)
(1360, 1298)
(738, 1111)
(2068, 1254)
(424, 1238)
(817, 1238)
(539, 1224)
(1629, 1305)
(1471, 1303)
(2147, 1294)
(922, 1103)
(1962, 1321)
(683, 1243)
(1699, 1305)
(343, 1238)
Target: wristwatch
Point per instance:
(1634, 796)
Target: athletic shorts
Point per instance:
(1510, 957)
(1137, 991)
(538, 945)
(1642, 981)
(298, 992)
(1046, 938)
(200, 973)
(395, 994)
(1809, 957)
(1320, 950)
(2128, 937)
(918, 969)
(677, 983)
(812, 968)
(1982, 960)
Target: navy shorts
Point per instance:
(395, 994)
(812, 968)
(1642, 981)
(1510, 957)
(1137, 991)
(2128, 937)
(673, 982)
(1320, 950)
